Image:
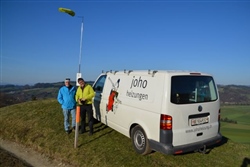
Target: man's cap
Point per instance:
(67, 79)
(80, 79)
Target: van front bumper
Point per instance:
(170, 149)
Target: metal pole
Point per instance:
(80, 55)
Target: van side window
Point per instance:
(192, 89)
(98, 87)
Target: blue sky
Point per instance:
(41, 44)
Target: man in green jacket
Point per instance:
(84, 95)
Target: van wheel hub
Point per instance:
(139, 140)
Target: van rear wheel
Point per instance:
(140, 140)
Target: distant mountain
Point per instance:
(234, 94)
(13, 94)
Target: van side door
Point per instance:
(98, 88)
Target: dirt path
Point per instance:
(24, 156)
(8, 159)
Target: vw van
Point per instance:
(172, 112)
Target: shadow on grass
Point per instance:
(245, 162)
(223, 141)
(100, 127)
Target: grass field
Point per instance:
(239, 132)
(39, 125)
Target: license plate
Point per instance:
(199, 121)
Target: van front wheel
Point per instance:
(140, 140)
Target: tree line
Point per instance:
(228, 120)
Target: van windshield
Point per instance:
(192, 89)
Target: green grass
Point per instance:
(239, 132)
(39, 125)
(241, 113)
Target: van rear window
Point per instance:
(193, 89)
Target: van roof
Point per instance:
(153, 72)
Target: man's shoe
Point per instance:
(68, 131)
(74, 128)
(90, 133)
(82, 131)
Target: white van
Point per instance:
(172, 112)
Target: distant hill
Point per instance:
(13, 94)
(234, 94)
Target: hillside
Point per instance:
(13, 94)
(234, 94)
(38, 125)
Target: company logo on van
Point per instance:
(138, 83)
(199, 108)
(113, 100)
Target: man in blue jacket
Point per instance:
(66, 97)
